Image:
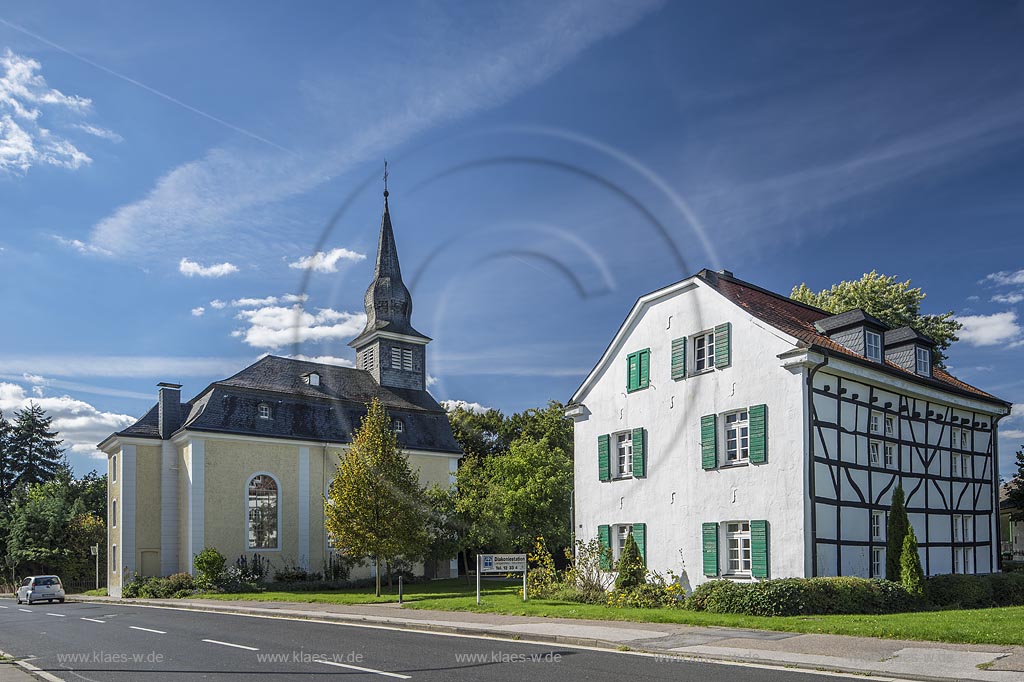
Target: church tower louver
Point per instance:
(389, 347)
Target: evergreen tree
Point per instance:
(1015, 490)
(6, 463)
(911, 574)
(36, 450)
(376, 507)
(895, 531)
(632, 572)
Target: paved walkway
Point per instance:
(880, 657)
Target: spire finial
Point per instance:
(385, 179)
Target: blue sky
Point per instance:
(175, 180)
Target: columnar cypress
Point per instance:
(631, 566)
(911, 574)
(896, 530)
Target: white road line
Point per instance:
(93, 620)
(59, 615)
(3, 607)
(135, 627)
(366, 670)
(237, 646)
(26, 610)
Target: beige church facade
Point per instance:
(243, 467)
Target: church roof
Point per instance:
(328, 413)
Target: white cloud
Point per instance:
(24, 140)
(324, 360)
(989, 330)
(218, 304)
(101, 133)
(120, 366)
(1016, 413)
(1011, 433)
(80, 424)
(476, 408)
(81, 247)
(326, 261)
(276, 326)
(254, 302)
(295, 298)
(1010, 299)
(198, 312)
(431, 380)
(191, 269)
(232, 188)
(1006, 277)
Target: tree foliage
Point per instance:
(911, 574)
(895, 531)
(1015, 490)
(631, 570)
(895, 303)
(376, 507)
(35, 451)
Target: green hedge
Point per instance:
(801, 596)
(975, 591)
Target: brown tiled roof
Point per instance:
(797, 320)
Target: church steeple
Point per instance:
(389, 346)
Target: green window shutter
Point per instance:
(645, 368)
(633, 371)
(640, 536)
(679, 358)
(723, 345)
(604, 536)
(758, 433)
(709, 441)
(759, 549)
(604, 457)
(639, 452)
(710, 533)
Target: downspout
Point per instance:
(997, 522)
(810, 464)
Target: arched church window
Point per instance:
(263, 511)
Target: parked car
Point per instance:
(40, 588)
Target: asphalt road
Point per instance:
(99, 642)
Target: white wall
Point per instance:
(677, 495)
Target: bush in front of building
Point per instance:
(176, 586)
(631, 570)
(802, 596)
(209, 565)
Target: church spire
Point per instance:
(388, 301)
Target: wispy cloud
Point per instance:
(121, 366)
(99, 132)
(326, 261)
(198, 312)
(81, 247)
(1006, 277)
(274, 327)
(190, 268)
(231, 188)
(989, 330)
(265, 301)
(25, 140)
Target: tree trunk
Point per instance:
(390, 578)
(376, 562)
(465, 560)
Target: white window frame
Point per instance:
(313, 379)
(740, 453)
(956, 465)
(890, 426)
(878, 561)
(875, 453)
(704, 352)
(280, 500)
(399, 426)
(737, 532)
(624, 454)
(878, 525)
(958, 525)
(922, 361)
(889, 454)
(263, 411)
(620, 532)
(968, 521)
(869, 346)
(875, 423)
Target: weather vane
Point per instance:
(385, 178)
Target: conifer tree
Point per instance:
(37, 456)
(376, 507)
(895, 531)
(6, 463)
(911, 574)
(632, 572)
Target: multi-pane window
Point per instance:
(877, 562)
(264, 411)
(965, 439)
(737, 437)
(890, 454)
(399, 426)
(956, 465)
(262, 514)
(737, 543)
(621, 533)
(924, 361)
(963, 560)
(890, 426)
(704, 351)
(963, 528)
(877, 524)
(874, 453)
(873, 346)
(875, 423)
(624, 454)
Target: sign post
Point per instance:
(500, 563)
(95, 551)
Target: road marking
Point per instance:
(26, 610)
(93, 620)
(366, 670)
(237, 646)
(135, 627)
(3, 607)
(59, 615)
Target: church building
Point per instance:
(244, 465)
(737, 433)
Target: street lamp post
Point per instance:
(95, 551)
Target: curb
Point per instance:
(487, 632)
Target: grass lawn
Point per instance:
(982, 626)
(102, 592)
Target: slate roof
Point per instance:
(798, 320)
(328, 413)
(848, 319)
(904, 335)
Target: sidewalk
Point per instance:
(882, 657)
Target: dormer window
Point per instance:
(313, 379)
(873, 346)
(924, 362)
(263, 411)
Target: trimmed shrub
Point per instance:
(700, 597)
(958, 591)
(802, 596)
(210, 565)
(1007, 588)
(631, 570)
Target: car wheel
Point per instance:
(60, 601)
(17, 599)
(49, 601)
